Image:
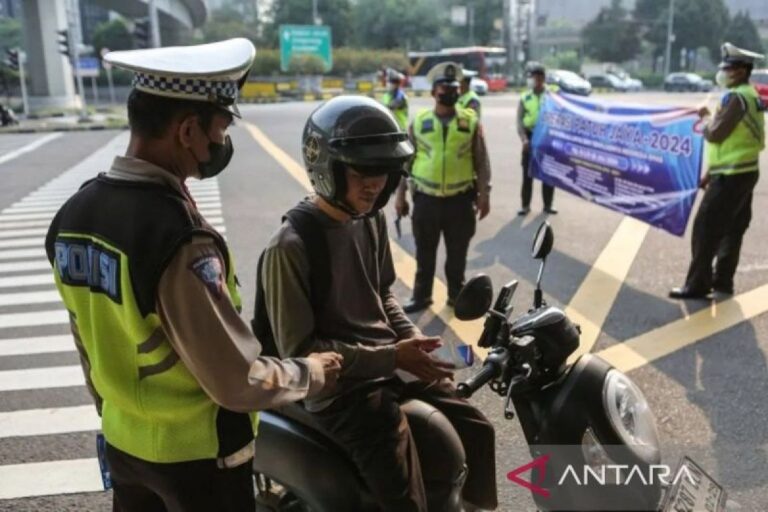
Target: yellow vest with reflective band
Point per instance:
(443, 165)
(532, 105)
(466, 98)
(740, 151)
(152, 407)
(400, 113)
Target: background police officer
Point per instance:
(527, 117)
(468, 98)
(735, 137)
(451, 178)
(395, 98)
(151, 290)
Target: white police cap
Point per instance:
(446, 73)
(733, 55)
(469, 74)
(394, 76)
(212, 72)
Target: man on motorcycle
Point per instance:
(326, 277)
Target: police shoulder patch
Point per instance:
(427, 125)
(211, 272)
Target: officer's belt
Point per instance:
(744, 166)
(453, 189)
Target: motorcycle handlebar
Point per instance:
(490, 370)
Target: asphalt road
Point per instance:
(709, 396)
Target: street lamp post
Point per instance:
(154, 24)
(670, 37)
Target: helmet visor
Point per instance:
(373, 154)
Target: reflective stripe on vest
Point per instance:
(740, 151)
(400, 113)
(443, 166)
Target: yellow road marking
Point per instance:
(590, 305)
(679, 334)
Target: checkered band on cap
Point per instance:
(223, 93)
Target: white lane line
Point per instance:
(44, 422)
(210, 211)
(29, 147)
(15, 233)
(35, 318)
(30, 280)
(24, 266)
(22, 242)
(26, 216)
(22, 253)
(24, 298)
(42, 378)
(13, 210)
(26, 224)
(38, 345)
(48, 478)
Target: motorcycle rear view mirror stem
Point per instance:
(542, 246)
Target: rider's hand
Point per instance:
(331, 362)
(402, 208)
(412, 355)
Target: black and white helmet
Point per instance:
(358, 132)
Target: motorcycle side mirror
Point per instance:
(542, 246)
(543, 241)
(475, 298)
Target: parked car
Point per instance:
(687, 82)
(631, 84)
(760, 81)
(608, 81)
(569, 82)
(479, 85)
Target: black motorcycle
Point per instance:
(589, 428)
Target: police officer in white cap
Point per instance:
(451, 178)
(150, 286)
(735, 137)
(395, 98)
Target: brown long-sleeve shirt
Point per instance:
(361, 318)
(726, 118)
(205, 329)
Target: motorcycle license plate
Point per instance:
(697, 493)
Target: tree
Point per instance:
(612, 36)
(337, 14)
(398, 23)
(743, 33)
(227, 22)
(113, 35)
(696, 24)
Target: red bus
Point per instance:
(488, 61)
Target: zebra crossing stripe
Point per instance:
(37, 345)
(28, 298)
(17, 254)
(24, 266)
(25, 224)
(44, 422)
(47, 478)
(26, 216)
(42, 378)
(35, 318)
(22, 242)
(15, 233)
(30, 280)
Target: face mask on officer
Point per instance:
(447, 95)
(530, 82)
(219, 154)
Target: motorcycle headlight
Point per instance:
(630, 416)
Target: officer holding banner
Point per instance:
(735, 136)
(527, 116)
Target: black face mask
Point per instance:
(221, 154)
(448, 99)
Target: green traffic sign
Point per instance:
(298, 40)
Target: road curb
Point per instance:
(74, 128)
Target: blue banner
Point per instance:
(641, 161)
